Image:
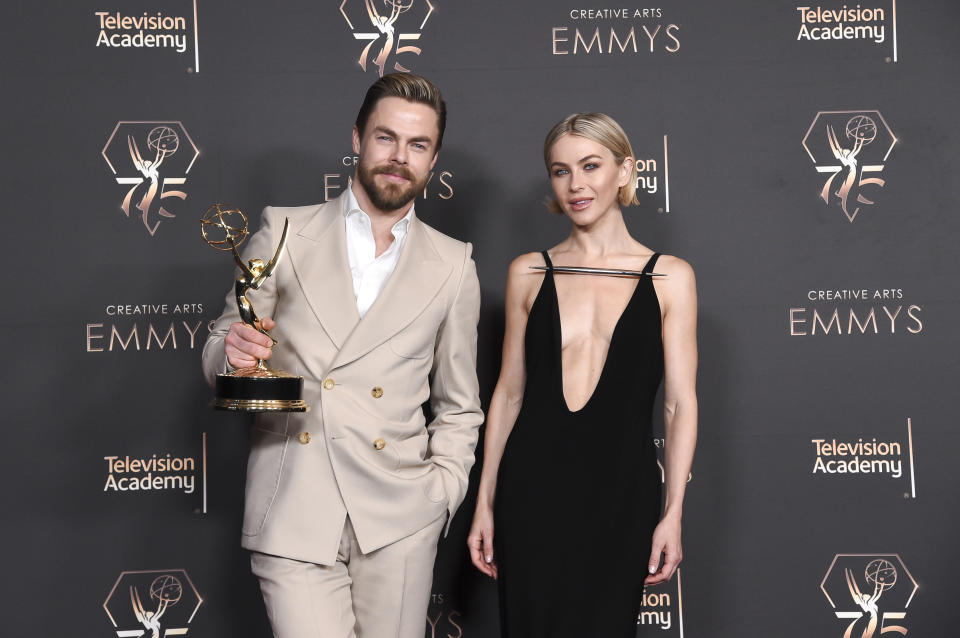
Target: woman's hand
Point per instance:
(666, 540)
(480, 541)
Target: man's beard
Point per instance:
(391, 196)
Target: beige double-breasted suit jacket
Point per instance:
(365, 448)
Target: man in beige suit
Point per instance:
(378, 312)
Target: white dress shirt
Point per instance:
(370, 272)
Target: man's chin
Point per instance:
(385, 200)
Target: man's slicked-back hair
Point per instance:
(407, 86)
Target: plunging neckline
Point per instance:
(606, 358)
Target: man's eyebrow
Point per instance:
(393, 134)
(384, 129)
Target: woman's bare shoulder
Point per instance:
(524, 261)
(674, 268)
(522, 280)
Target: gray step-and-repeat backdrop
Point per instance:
(801, 155)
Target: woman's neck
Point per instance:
(608, 234)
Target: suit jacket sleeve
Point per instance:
(454, 390)
(262, 245)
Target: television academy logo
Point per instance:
(661, 606)
(847, 146)
(653, 177)
(154, 603)
(384, 42)
(870, 592)
(865, 22)
(165, 29)
(159, 472)
(149, 158)
(866, 455)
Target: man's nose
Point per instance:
(399, 154)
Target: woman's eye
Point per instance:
(560, 171)
(591, 166)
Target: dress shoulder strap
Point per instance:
(651, 263)
(546, 258)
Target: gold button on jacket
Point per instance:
(304, 437)
(377, 392)
(379, 444)
(328, 384)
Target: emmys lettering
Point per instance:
(151, 159)
(152, 603)
(439, 184)
(620, 37)
(849, 146)
(143, 31)
(442, 622)
(158, 473)
(870, 594)
(148, 326)
(375, 22)
(879, 311)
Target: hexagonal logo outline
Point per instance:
(845, 171)
(145, 153)
(855, 590)
(384, 24)
(147, 616)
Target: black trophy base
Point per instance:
(259, 389)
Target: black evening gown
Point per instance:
(578, 493)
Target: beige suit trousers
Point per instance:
(383, 594)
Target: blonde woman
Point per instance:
(568, 516)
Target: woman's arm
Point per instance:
(679, 297)
(504, 406)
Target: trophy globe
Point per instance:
(861, 128)
(881, 574)
(166, 590)
(257, 388)
(164, 140)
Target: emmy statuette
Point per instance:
(257, 388)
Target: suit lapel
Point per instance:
(417, 279)
(319, 256)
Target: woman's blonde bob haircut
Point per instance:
(604, 130)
